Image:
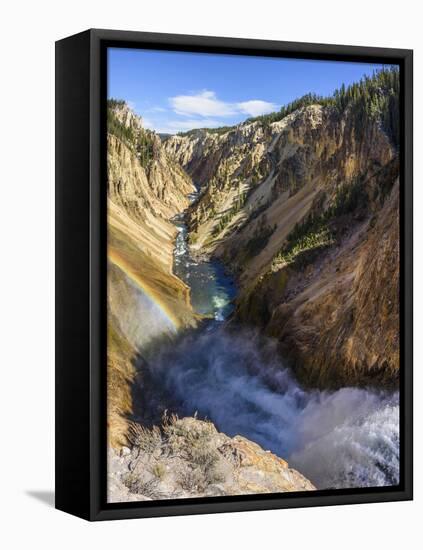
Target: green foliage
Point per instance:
(140, 141)
(115, 127)
(374, 97)
(226, 217)
(113, 103)
(315, 233)
(348, 198)
(313, 240)
(219, 131)
(145, 148)
(304, 101)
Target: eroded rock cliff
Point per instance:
(145, 299)
(304, 212)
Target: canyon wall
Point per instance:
(146, 300)
(304, 212)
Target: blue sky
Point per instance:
(178, 91)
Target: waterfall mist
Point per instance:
(345, 438)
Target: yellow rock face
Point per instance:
(145, 299)
(343, 325)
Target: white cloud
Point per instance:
(202, 110)
(256, 107)
(206, 104)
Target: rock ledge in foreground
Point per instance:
(189, 458)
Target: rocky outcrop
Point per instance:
(304, 211)
(125, 116)
(190, 458)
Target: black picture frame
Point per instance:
(81, 238)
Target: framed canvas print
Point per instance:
(233, 274)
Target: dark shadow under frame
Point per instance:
(81, 485)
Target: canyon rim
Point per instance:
(253, 275)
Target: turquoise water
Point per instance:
(212, 289)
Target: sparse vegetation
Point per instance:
(114, 103)
(315, 232)
(122, 132)
(312, 241)
(220, 130)
(158, 470)
(140, 486)
(141, 141)
(145, 439)
(304, 101)
(189, 443)
(145, 148)
(374, 97)
(227, 216)
(191, 480)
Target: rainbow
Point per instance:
(158, 300)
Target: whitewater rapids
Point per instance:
(346, 438)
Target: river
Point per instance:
(235, 377)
